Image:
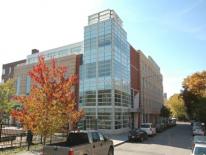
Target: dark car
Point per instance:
(137, 135)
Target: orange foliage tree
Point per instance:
(50, 106)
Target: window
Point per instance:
(104, 118)
(200, 150)
(76, 49)
(28, 85)
(10, 70)
(91, 70)
(3, 71)
(104, 40)
(145, 126)
(104, 97)
(104, 68)
(90, 98)
(118, 118)
(18, 86)
(117, 98)
(101, 137)
(95, 137)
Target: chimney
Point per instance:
(33, 51)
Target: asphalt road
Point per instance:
(174, 141)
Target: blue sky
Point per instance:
(173, 32)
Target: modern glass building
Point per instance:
(117, 85)
(105, 73)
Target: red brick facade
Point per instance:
(9, 69)
(135, 80)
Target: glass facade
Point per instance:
(105, 74)
(56, 52)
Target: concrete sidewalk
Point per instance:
(28, 153)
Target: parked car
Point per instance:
(196, 124)
(137, 135)
(148, 128)
(191, 122)
(196, 127)
(81, 143)
(174, 120)
(198, 131)
(159, 127)
(163, 125)
(198, 140)
(199, 149)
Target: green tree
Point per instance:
(176, 106)
(7, 90)
(165, 111)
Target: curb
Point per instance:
(120, 143)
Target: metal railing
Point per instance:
(13, 137)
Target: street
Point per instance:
(174, 141)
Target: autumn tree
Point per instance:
(50, 106)
(6, 92)
(194, 95)
(176, 106)
(196, 83)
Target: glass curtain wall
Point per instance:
(105, 76)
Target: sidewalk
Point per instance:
(28, 153)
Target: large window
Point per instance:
(118, 118)
(104, 118)
(91, 121)
(90, 98)
(117, 98)
(91, 70)
(104, 97)
(104, 68)
(125, 115)
(125, 99)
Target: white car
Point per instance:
(199, 149)
(148, 128)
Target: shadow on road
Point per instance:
(179, 136)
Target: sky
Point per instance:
(172, 32)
